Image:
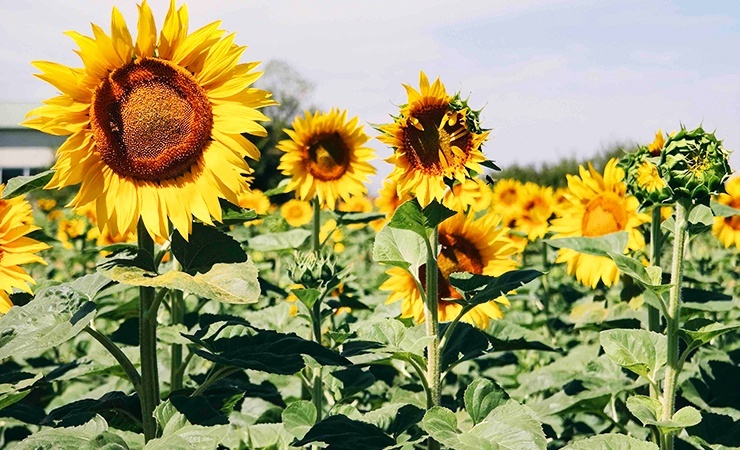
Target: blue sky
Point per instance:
(557, 78)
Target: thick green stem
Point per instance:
(545, 284)
(177, 315)
(149, 394)
(653, 313)
(431, 321)
(315, 240)
(317, 385)
(673, 317)
(121, 358)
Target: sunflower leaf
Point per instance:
(401, 248)
(272, 242)
(409, 216)
(700, 330)
(228, 283)
(95, 432)
(205, 247)
(482, 397)
(341, 432)
(435, 213)
(722, 210)
(599, 246)
(640, 351)
(611, 442)
(22, 185)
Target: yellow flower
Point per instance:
(433, 141)
(47, 204)
(506, 200)
(648, 177)
(468, 245)
(16, 248)
(388, 199)
(597, 205)
(155, 125)
(330, 230)
(255, 200)
(657, 145)
(472, 193)
(536, 208)
(358, 203)
(326, 157)
(5, 303)
(70, 229)
(727, 229)
(296, 212)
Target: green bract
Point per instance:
(646, 178)
(696, 165)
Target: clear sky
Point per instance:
(557, 77)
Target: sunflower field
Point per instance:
(150, 298)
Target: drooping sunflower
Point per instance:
(326, 157)
(537, 205)
(597, 205)
(155, 125)
(436, 138)
(16, 248)
(472, 245)
(296, 212)
(727, 229)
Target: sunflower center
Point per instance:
(457, 255)
(604, 214)
(435, 139)
(151, 120)
(328, 157)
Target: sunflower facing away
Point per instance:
(467, 245)
(597, 205)
(16, 248)
(326, 158)
(727, 229)
(155, 125)
(435, 138)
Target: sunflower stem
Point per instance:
(653, 313)
(177, 315)
(317, 385)
(673, 317)
(431, 321)
(149, 394)
(315, 238)
(121, 358)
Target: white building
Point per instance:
(23, 151)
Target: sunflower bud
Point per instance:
(312, 270)
(644, 175)
(696, 165)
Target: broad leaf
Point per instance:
(611, 442)
(482, 397)
(513, 427)
(505, 335)
(118, 409)
(599, 246)
(299, 417)
(354, 380)
(92, 435)
(228, 283)
(722, 210)
(400, 248)
(646, 409)
(205, 247)
(700, 331)
(272, 242)
(465, 343)
(489, 287)
(349, 218)
(343, 433)
(22, 185)
(643, 352)
(56, 315)
(178, 432)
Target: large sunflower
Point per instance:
(597, 205)
(727, 229)
(467, 245)
(16, 248)
(155, 126)
(436, 138)
(326, 158)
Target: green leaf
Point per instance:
(505, 335)
(232, 216)
(92, 435)
(299, 417)
(493, 287)
(481, 397)
(343, 433)
(273, 242)
(611, 442)
(435, 213)
(307, 296)
(394, 336)
(198, 410)
(700, 331)
(465, 343)
(178, 433)
(233, 342)
(441, 424)
(118, 409)
(641, 351)
(722, 210)
(646, 409)
(636, 270)
(228, 283)
(599, 246)
(56, 315)
(401, 248)
(22, 185)
(350, 218)
(205, 247)
(354, 380)
(513, 427)
(701, 215)
(409, 216)
(394, 418)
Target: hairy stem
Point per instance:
(149, 394)
(673, 317)
(121, 358)
(431, 321)
(653, 313)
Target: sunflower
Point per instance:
(506, 200)
(472, 193)
(326, 158)
(536, 208)
(16, 248)
(255, 200)
(727, 229)
(467, 245)
(155, 125)
(388, 199)
(436, 138)
(296, 212)
(597, 205)
(648, 177)
(656, 147)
